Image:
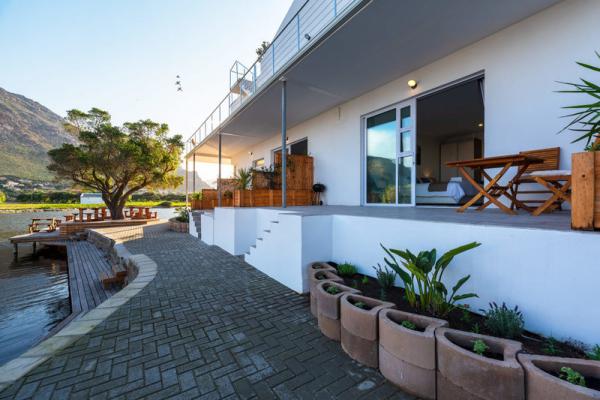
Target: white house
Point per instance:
(335, 81)
(90, 198)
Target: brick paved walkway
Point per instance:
(208, 326)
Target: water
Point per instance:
(34, 289)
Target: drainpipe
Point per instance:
(186, 182)
(283, 142)
(194, 173)
(219, 179)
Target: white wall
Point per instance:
(522, 64)
(551, 275)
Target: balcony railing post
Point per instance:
(298, 30)
(334, 8)
(273, 56)
(254, 79)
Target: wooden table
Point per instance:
(492, 191)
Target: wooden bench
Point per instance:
(556, 183)
(118, 278)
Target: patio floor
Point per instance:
(559, 220)
(208, 326)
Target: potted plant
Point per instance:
(359, 332)
(551, 378)
(422, 276)
(180, 223)
(242, 197)
(318, 188)
(407, 351)
(328, 295)
(473, 366)
(585, 166)
(196, 200)
(315, 276)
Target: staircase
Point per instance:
(195, 226)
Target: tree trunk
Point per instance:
(116, 209)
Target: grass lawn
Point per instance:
(63, 206)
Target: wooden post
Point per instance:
(16, 249)
(583, 190)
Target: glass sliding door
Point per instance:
(390, 157)
(381, 135)
(406, 159)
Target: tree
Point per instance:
(117, 161)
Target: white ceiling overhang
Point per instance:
(381, 41)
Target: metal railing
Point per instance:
(308, 22)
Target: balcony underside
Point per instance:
(383, 41)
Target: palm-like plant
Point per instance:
(243, 177)
(586, 118)
(422, 276)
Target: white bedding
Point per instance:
(453, 193)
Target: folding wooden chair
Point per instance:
(556, 183)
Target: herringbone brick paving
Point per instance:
(209, 326)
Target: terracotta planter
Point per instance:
(316, 276)
(359, 328)
(177, 226)
(406, 356)
(328, 309)
(321, 266)
(542, 385)
(585, 192)
(462, 374)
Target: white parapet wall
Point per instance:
(551, 275)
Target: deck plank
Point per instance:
(86, 262)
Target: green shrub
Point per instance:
(572, 376)
(551, 346)
(365, 280)
(183, 215)
(347, 269)
(422, 276)
(408, 325)
(385, 277)
(2, 197)
(165, 204)
(595, 353)
(333, 290)
(196, 196)
(503, 321)
(360, 304)
(479, 347)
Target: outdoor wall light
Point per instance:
(412, 84)
(306, 36)
(480, 125)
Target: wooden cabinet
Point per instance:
(458, 151)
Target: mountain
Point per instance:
(27, 131)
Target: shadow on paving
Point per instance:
(208, 326)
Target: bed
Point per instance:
(444, 192)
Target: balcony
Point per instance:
(308, 23)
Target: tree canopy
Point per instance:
(117, 161)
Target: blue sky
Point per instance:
(123, 55)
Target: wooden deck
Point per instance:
(86, 262)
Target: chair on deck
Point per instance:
(556, 183)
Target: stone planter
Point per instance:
(407, 357)
(177, 226)
(322, 266)
(316, 276)
(542, 385)
(462, 374)
(328, 309)
(359, 328)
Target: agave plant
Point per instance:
(422, 276)
(243, 177)
(586, 117)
